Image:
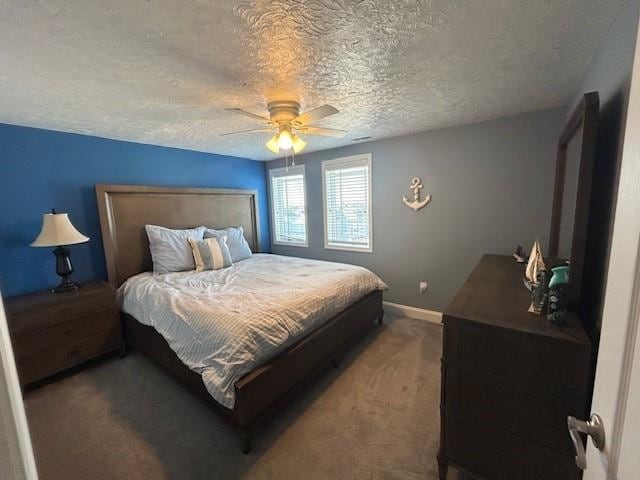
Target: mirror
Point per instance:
(572, 191)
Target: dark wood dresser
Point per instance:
(55, 331)
(509, 380)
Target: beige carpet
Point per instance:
(374, 417)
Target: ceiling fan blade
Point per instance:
(324, 132)
(253, 130)
(248, 114)
(314, 115)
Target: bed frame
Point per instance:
(125, 210)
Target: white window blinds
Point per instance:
(347, 203)
(288, 206)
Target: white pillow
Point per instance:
(238, 246)
(170, 249)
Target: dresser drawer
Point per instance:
(495, 454)
(65, 307)
(61, 346)
(511, 405)
(559, 368)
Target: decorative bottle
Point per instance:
(557, 310)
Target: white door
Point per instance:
(16, 456)
(617, 385)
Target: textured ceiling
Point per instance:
(163, 71)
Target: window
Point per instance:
(347, 203)
(288, 206)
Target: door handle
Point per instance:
(592, 428)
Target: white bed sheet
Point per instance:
(222, 324)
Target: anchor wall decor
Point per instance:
(416, 204)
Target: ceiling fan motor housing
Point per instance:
(283, 111)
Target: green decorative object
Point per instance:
(557, 311)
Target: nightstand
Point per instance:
(52, 332)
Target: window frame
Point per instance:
(347, 162)
(285, 172)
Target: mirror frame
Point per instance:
(584, 116)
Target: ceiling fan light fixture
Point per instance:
(298, 144)
(285, 140)
(273, 144)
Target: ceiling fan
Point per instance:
(287, 123)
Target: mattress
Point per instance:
(224, 323)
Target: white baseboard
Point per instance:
(413, 312)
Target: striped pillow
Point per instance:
(210, 253)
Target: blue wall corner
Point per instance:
(43, 169)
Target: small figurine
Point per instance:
(519, 255)
(536, 277)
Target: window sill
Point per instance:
(290, 244)
(348, 249)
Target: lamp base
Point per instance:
(64, 268)
(66, 287)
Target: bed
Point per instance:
(328, 306)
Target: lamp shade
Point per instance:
(273, 144)
(57, 230)
(298, 144)
(285, 141)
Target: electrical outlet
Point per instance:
(422, 287)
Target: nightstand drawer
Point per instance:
(33, 341)
(59, 308)
(53, 349)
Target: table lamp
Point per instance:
(58, 231)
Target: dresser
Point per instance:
(509, 380)
(52, 332)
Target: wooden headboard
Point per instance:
(125, 210)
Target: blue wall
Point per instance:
(42, 169)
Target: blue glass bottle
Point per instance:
(558, 285)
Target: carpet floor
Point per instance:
(374, 417)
